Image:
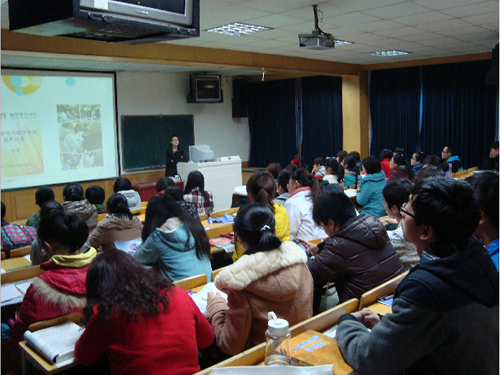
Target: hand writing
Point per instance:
(312, 248)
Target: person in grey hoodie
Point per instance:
(173, 240)
(444, 316)
(76, 205)
(370, 189)
(124, 187)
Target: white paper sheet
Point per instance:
(27, 257)
(10, 294)
(23, 285)
(200, 298)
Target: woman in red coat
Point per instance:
(139, 320)
(61, 288)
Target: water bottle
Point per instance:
(277, 341)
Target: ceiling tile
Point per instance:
(444, 25)
(443, 4)
(483, 19)
(398, 10)
(422, 18)
(278, 6)
(379, 26)
(361, 5)
(473, 9)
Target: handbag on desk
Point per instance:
(16, 236)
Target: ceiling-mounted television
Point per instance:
(118, 21)
(205, 89)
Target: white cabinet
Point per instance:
(221, 177)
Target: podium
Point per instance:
(221, 177)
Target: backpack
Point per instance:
(16, 236)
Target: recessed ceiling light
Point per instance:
(238, 29)
(389, 53)
(339, 42)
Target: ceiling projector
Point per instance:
(316, 41)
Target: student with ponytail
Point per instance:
(260, 189)
(119, 225)
(304, 189)
(61, 288)
(270, 276)
(76, 205)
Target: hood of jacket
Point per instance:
(82, 208)
(174, 235)
(133, 199)
(366, 230)
(470, 270)
(112, 222)
(67, 273)
(249, 269)
(375, 177)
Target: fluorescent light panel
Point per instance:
(339, 42)
(389, 53)
(238, 29)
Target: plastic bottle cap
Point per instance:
(277, 326)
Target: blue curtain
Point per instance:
(321, 117)
(459, 108)
(272, 121)
(395, 109)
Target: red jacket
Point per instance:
(59, 290)
(166, 343)
(385, 167)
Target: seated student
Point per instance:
(37, 254)
(260, 189)
(493, 156)
(351, 171)
(370, 189)
(445, 312)
(400, 169)
(426, 172)
(76, 205)
(318, 168)
(140, 322)
(485, 186)
(96, 195)
(341, 156)
(118, 225)
(176, 193)
(271, 276)
(283, 178)
(333, 172)
(291, 168)
(396, 193)
(195, 192)
(304, 191)
(163, 183)
(173, 240)
(124, 186)
(61, 288)
(43, 194)
(357, 256)
(385, 160)
(4, 211)
(450, 155)
(274, 169)
(417, 161)
(357, 157)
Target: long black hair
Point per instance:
(196, 180)
(336, 168)
(306, 178)
(261, 185)
(255, 225)
(63, 229)
(117, 204)
(116, 282)
(163, 207)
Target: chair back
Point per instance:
(229, 211)
(470, 170)
(74, 317)
(22, 251)
(217, 231)
(100, 217)
(4, 255)
(191, 282)
(216, 272)
(21, 274)
(383, 290)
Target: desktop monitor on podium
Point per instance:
(200, 153)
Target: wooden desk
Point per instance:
(32, 360)
(380, 308)
(15, 263)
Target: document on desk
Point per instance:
(274, 370)
(23, 285)
(10, 294)
(200, 298)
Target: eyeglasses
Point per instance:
(403, 210)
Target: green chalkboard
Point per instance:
(145, 139)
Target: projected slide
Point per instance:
(56, 128)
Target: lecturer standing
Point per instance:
(174, 155)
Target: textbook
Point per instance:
(312, 348)
(56, 343)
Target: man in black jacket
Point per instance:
(445, 312)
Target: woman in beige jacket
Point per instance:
(271, 276)
(119, 225)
